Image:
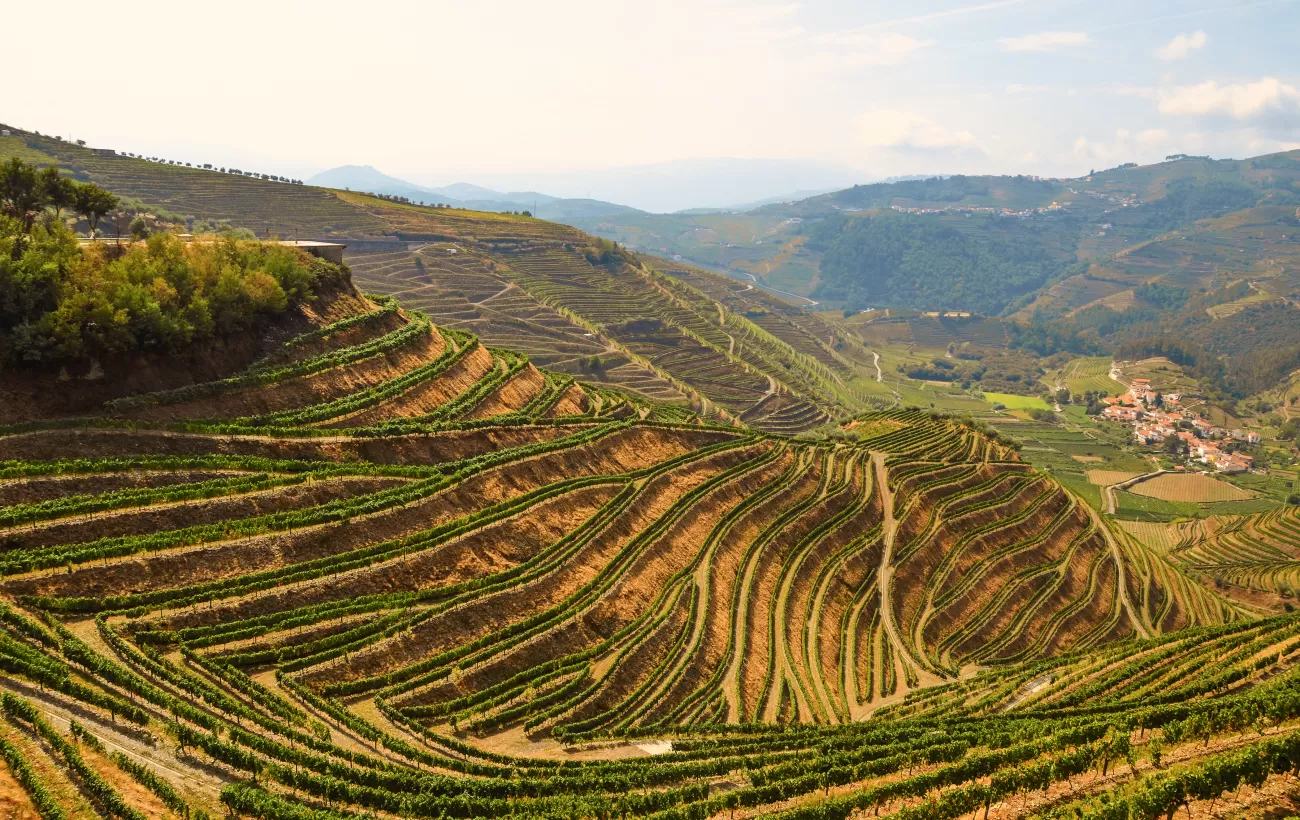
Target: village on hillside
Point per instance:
(978, 209)
(1157, 418)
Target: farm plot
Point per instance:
(1197, 488)
(538, 287)
(1258, 552)
(1089, 375)
(1015, 402)
(1105, 478)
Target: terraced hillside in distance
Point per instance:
(571, 302)
(380, 568)
(621, 322)
(1258, 553)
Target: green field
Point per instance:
(1014, 402)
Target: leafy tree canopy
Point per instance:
(920, 262)
(25, 192)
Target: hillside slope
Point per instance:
(1090, 219)
(572, 302)
(386, 568)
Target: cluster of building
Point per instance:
(1125, 201)
(1156, 418)
(980, 209)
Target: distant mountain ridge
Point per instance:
(367, 178)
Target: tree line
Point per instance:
(26, 192)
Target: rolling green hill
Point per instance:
(1109, 213)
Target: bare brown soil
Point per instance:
(198, 783)
(515, 394)
(916, 568)
(1101, 607)
(136, 796)
(627, 669)
(672, 555)
(723, 573)
(14, 802)
(765, 602)
(317, 388)
(981, 553)
(477, 618)
(572, 402)
(796, 608)
(515, 742)
(56, 781)
(617, 453)
(1071, 583)
(426, 396)
(835, 597)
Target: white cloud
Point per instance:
(888, 128)
(1021, 88)
(1181, 46)
(1045, 41)
(1264, 98)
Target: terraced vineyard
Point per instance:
(371, 562)
(382, 568)
(1258, 552)
(625, 324)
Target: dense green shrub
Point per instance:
(62, 303)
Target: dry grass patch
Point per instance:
(14, 802)
(1104, 478)
(1191, 487)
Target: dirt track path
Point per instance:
(199, 783)
(884, 580)
(1118, 557)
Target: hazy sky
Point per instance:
(440, 91)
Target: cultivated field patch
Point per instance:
(1104, 478)
(1197, 488)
